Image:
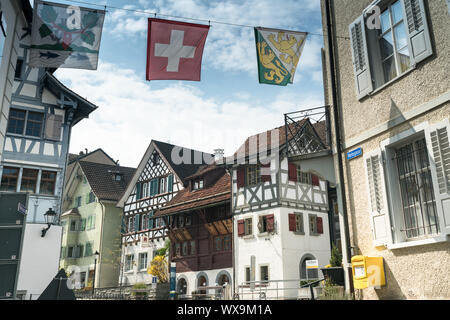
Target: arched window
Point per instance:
(308, 274)
(202, 281)
(182, 286)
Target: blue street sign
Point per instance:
(354, 154)
(154, 280)
(173, 280)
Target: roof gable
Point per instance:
(177, 166)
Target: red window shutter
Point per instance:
(270, 220)
(240, 177)
(292, 224)
(292, 172)
(315, 180)
(319, 225)
(241, 228)
(265, 178)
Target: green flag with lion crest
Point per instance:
(278, 53)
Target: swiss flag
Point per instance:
(175, 50)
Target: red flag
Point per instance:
(175, 50)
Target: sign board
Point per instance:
(354, 154)
(145, 243)
(312, 264)
(173, 280)
(154, 282)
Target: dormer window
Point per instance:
(198, 184)
(117, 177)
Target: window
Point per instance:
(162, 185)
(131, 224)
(248, 226)
(184, 248)
(145, 220)
(70, 252)
(418, 203)
(25, 123)
(3, 27)
(188, 220)
(73, 225)
(264, 273)
(303, 177)
(395, 57)
(227, 243)
(312, 219)
(78, 202)
(381, 55)
(143, 261)
(296, 223)
(129, 261)
(48, 183)
(193, 249)
(305, 273)
(88, 252)
(266, 223)
(16, 122)
(19, 68)
(198, 184)
(155, 159)
(177, 249)
(82, 279)
(90, 222)
(247, 274)
(145, 190)
(180, 221)
(253, 175)
(91, 197)
(9, 179)
(218, 244)
(34, 124)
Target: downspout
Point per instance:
(233, 248)
(101, 240)
(331, 53)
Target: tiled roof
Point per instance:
(183, 170)
(186, 199)
(74, 157)
(100, 178)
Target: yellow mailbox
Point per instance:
(368, 272)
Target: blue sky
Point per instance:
(220, 111)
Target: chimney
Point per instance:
(86, 150)
(218, 154)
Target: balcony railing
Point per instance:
(308, 131)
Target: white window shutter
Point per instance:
(438, 137)
(53, 127)
(361, 66)
(417, 30)
(376, 190)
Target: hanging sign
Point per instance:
(65, 36)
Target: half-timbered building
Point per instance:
(37, 116)
(281, 190)
(161, 173)
(200, 231)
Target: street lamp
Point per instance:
(50, 216)
(95, 270)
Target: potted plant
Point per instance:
(335, 271)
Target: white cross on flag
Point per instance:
(175, 50)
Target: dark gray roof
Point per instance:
(78, 157)
(183, 170)
(100, 178)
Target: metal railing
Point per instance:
(274, 290)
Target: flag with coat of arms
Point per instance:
(278, 53)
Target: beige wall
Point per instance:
(420, 271)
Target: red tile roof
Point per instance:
(186, 199)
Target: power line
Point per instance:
(180, 17)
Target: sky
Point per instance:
(221, 110)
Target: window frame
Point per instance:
(141, 255)
(312, 229)
(26, 123)
(129, 263)
(248, 223)
(299, 217)
(253, 175)
(9, 177)
(44, 180)
(261, 273)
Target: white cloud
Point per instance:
(131, 113)
(228, 48)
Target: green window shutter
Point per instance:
(152, 188)
(83, 224)
(138, 191)
(136, 223)
(170, 184)
(150, 220)
(87, 198)
(156, 186)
